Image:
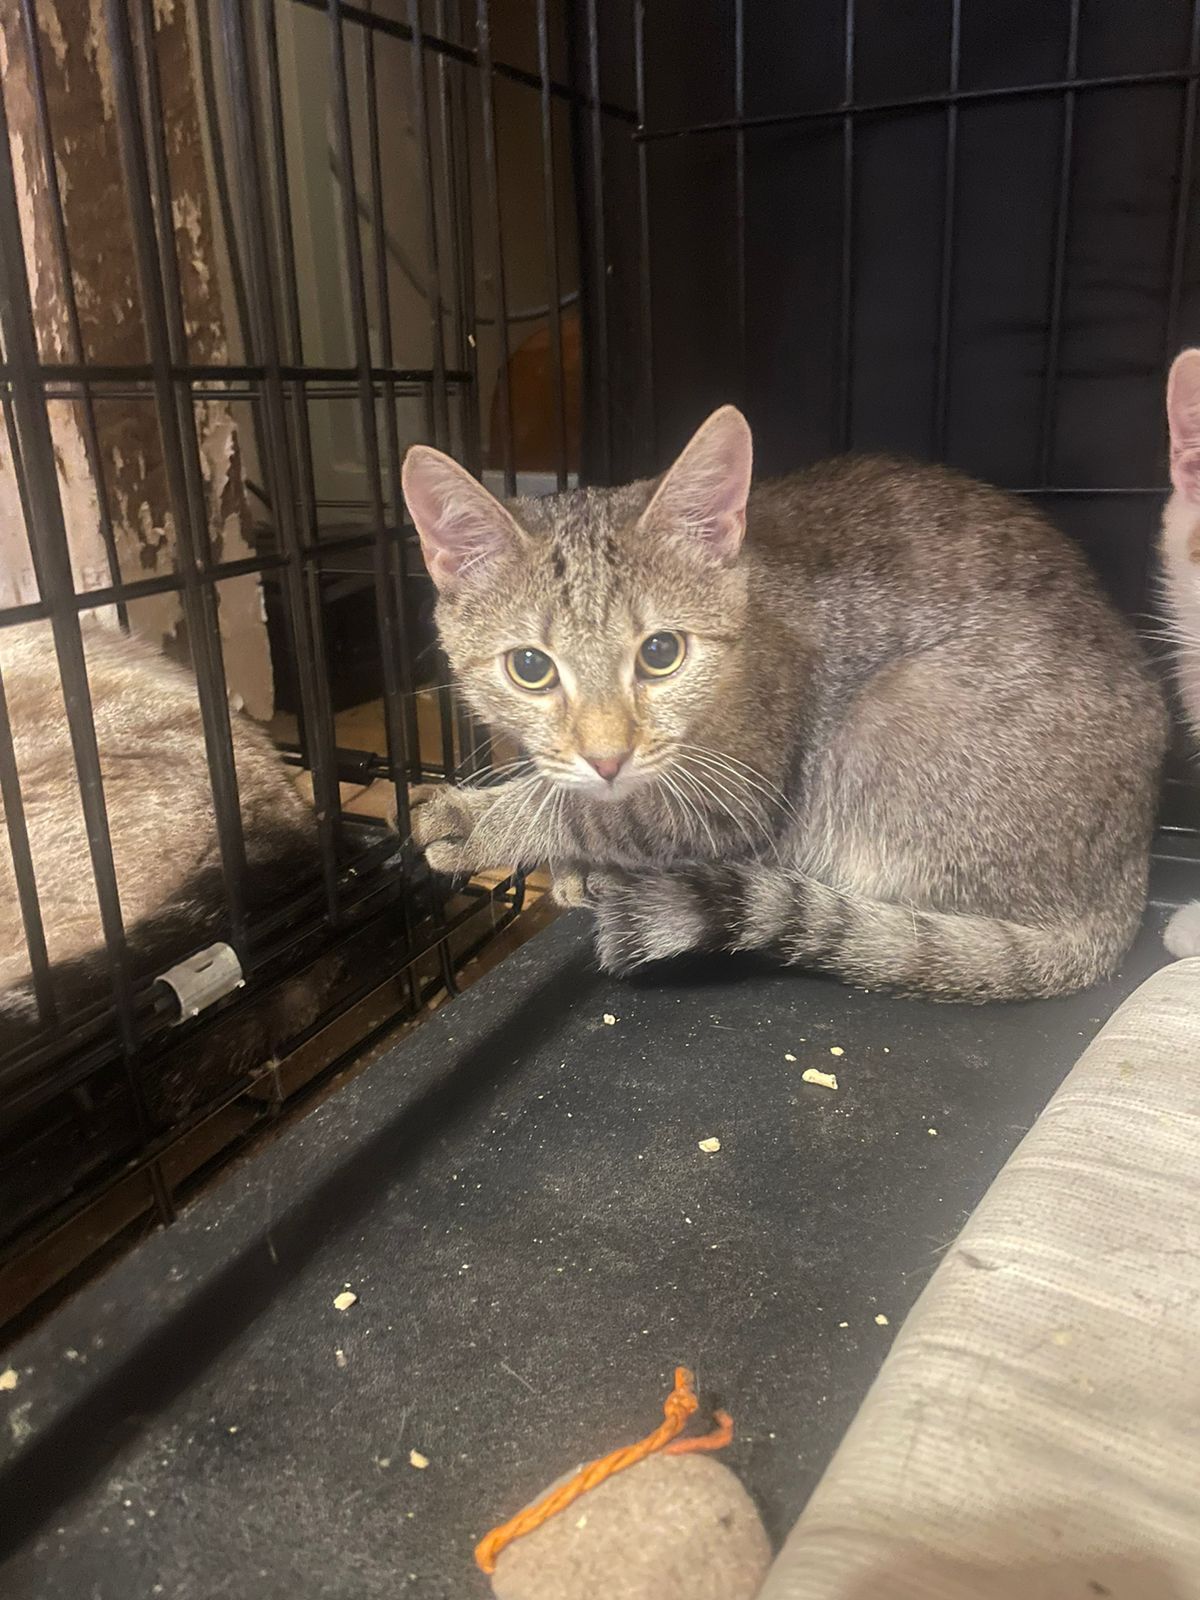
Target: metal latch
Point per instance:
(203, 979)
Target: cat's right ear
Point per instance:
(1183, 415)
(461, 525)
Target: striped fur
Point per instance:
(912, 743)
(158, 799)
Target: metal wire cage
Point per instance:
(963, 230)
(261, 249)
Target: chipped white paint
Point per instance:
(143, 530)
(27, 176)
(18, 585)
(77, 492)
(51, 27)
(95, 49)
(188, 219)
(218, 439)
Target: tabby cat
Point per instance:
(873, 717)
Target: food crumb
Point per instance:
(416, 1459)
(609, 1019)
(343, 1301)
(582, 1523)
(340, 1357)
(788, 1056)
(710, 1146)
(886, 1051)
(836, 1050)
(9, 1378)
(827, 1080)
(843, 1324)
(932, 1132)
(882, 1320)
(383, 1461)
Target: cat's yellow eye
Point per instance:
(661, 654)
(531, 669)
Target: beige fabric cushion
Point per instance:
(1035, 1432)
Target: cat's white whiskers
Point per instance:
(526, 854)
(426, 688)
(688, 807)
(769, 799)
(472, 755)
(557, 831)
(740, 823)
(510, 795)
(734, 785)
(769, 836)
(771, 792)
(751, 774)
(480, 780)
(701, 804)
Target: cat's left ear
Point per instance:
(703, 496)
(461, 525)
(1183, 415)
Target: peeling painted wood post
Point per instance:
(79, 99)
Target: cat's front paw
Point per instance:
(1182, 933)
(443, 823)
(640, 918)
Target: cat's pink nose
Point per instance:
(608, 766)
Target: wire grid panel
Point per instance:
(920, 202)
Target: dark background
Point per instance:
(1049, 282)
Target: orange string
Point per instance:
(679, 1405)
(721, 1435)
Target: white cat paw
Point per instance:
(1182, 934)
(443, 822)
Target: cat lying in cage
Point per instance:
(161, 821)
(873, 717)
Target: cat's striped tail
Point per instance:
(935, 954)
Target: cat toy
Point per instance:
(640, 1529)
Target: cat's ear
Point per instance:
(703, 496)
(1183, 415)
(461, 525)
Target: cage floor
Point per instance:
(517, 1198)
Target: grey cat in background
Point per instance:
(1181, 572)
(873, 717)
(161, 821)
